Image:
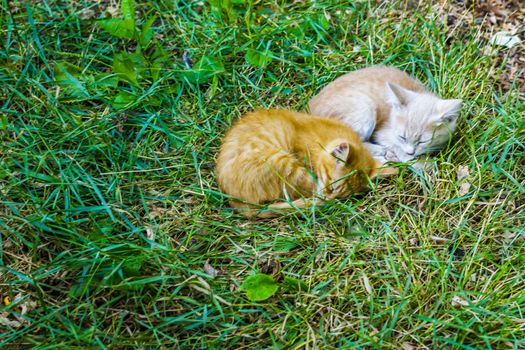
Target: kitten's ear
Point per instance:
(398, 96)
(448, 111)
(341, 152)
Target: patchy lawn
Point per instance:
(113, 231)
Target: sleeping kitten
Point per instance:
(271, 155)
(391, 110)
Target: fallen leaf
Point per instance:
(6, 322)
(438, 239)
(504, 38)
(509, 235)
(408, 346)
(26, 306)
(464, 188)
(463, 172)
(366, 282)
(23, 307)
(113, 10)
(86, 14)
(210, 270)
(458, 301)
(150, 234)
(8, 243)
(259, 287)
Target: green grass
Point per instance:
(109, 208)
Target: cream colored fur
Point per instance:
(392, 112)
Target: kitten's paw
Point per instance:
(387, 157)
(391, 156)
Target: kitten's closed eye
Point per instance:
(422, 142)
(402, 138)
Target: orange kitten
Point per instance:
(391, 111)
(271, 155)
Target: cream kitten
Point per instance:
(394, 112)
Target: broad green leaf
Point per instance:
(160, 54)
(128, 66)
(295, 284)
(204, 70)
(220, 7)
(158, 58)
(118, 27)
(155, 70)
(128, 9)
(323, 21)
(258, 59)
(146, 32)
(259, 287)
(123, 99)
(105, 80)
(62, 67)
(67, 77)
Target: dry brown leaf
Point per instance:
(438, 239)
(210, 270)
(9, 323)
(463, 172)
(464, 188)
(408, 346)
(504, 38)
(458, 301)
(509, 235)
(25, 306)
(87, 13)
(150, 234)
(113, 10)
(367, 285)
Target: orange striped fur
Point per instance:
(272, 155)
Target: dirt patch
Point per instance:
(501, 23)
